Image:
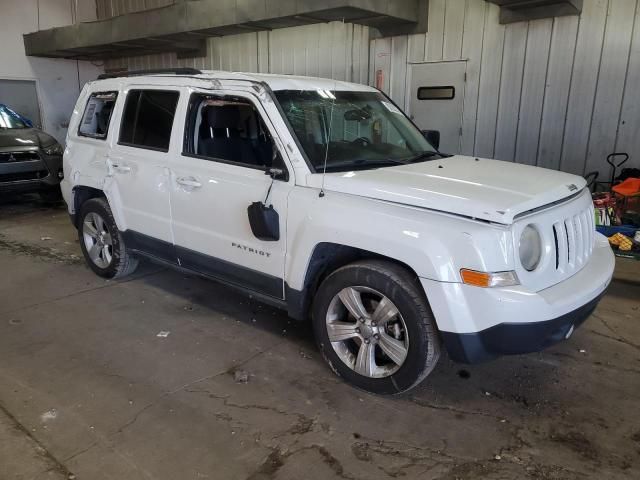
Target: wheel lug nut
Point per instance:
(376, 336)
(366, 340)
(357, 330)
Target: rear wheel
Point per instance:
(374, 327)
(101, 241)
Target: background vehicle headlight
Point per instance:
(55, 149)
(530, 248)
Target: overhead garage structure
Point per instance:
(182, 26)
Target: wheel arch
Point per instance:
(80, 194)
(326, 258)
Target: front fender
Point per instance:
(435, 245)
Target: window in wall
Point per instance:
(229, 129)
(148, 118)
(97, 115)
(436, 93)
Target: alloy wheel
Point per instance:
(367, 332)
(97, 240)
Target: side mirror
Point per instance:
(275, 173)
(264, 222)
(433, 137)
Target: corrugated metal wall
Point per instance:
(560, 93)
(337, 50)
(334, 49)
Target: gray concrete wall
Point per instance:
(58, 82)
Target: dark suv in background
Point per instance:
(30, 160)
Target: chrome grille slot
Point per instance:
(571, 241)
(579, 233)
(557, 244)
(573, 238)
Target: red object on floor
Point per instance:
(631, 186)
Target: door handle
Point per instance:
(189, 182)
(121, 168)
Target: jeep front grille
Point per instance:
(574, 237)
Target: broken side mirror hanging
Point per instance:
(264, 220)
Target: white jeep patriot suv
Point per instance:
(323, 198)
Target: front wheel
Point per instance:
(374, 327)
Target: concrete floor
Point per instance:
(89, 390)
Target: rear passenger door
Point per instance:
(229, 144)
(138, 165)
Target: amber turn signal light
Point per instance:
(486, 279)
(472, 277)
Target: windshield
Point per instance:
(360, 129)
(10, 119)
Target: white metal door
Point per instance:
(435, 100)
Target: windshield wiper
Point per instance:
(425, 155)
(362, 163)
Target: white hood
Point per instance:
(490, 190)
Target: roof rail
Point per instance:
(155, 71)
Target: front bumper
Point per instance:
(32, 175)
(478, 324)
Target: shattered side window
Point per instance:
(97, 115)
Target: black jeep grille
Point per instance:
(10, 157)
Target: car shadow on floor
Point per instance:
(28, 202)
(520, 380)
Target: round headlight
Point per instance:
(530, 248)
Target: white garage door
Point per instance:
(436, 97)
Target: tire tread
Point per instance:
(407, 281)
(126, 263)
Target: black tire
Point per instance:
(402, 288)
(50, 195)
(122, 263)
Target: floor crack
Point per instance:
(58, 465)
(617, 337)
(187, 385)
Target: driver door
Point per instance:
(229, 146)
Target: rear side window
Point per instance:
(148, 118)
(97, 115)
